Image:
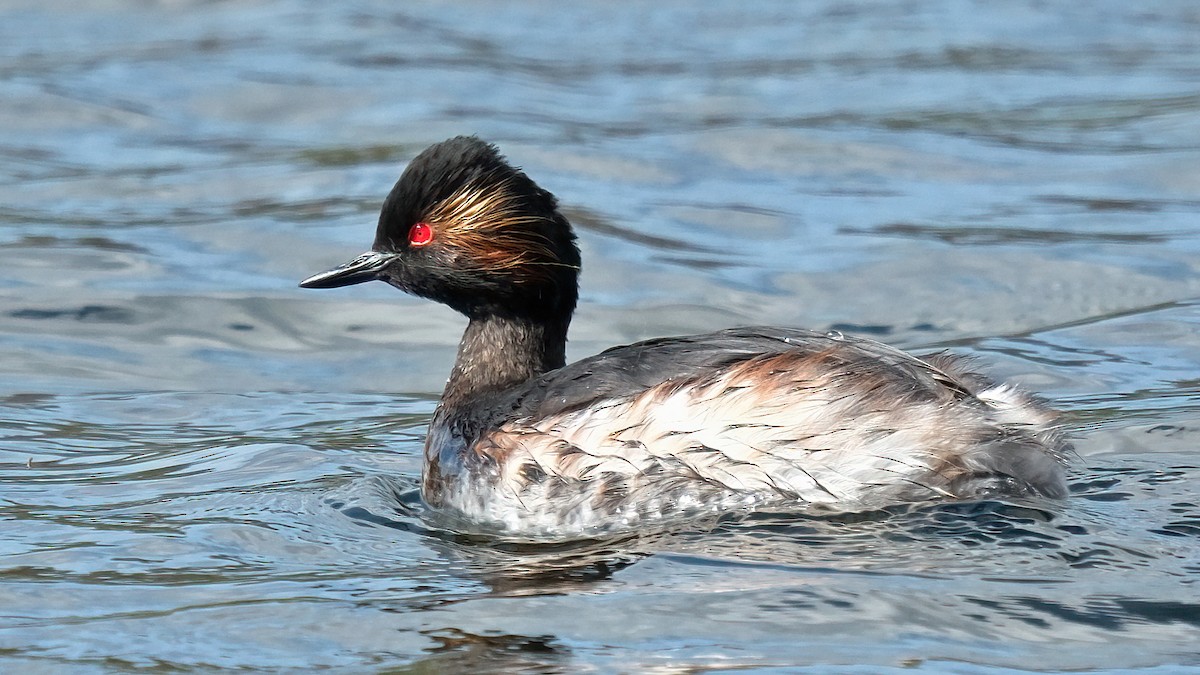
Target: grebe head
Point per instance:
(464, 227)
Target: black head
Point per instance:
(465, 228)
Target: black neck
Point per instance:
(498, 352)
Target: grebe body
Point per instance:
(672, 428)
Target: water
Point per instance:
(207, 468)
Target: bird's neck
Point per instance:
(498, 352)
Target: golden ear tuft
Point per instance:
(488, 223)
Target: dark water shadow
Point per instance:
(983, 235)
(457, 651)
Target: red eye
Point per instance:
(420, 234)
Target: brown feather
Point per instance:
(487, 223)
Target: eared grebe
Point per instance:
(669, 428)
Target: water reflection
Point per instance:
(460, 652)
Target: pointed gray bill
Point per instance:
(366, 267)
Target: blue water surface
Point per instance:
(206, 468)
